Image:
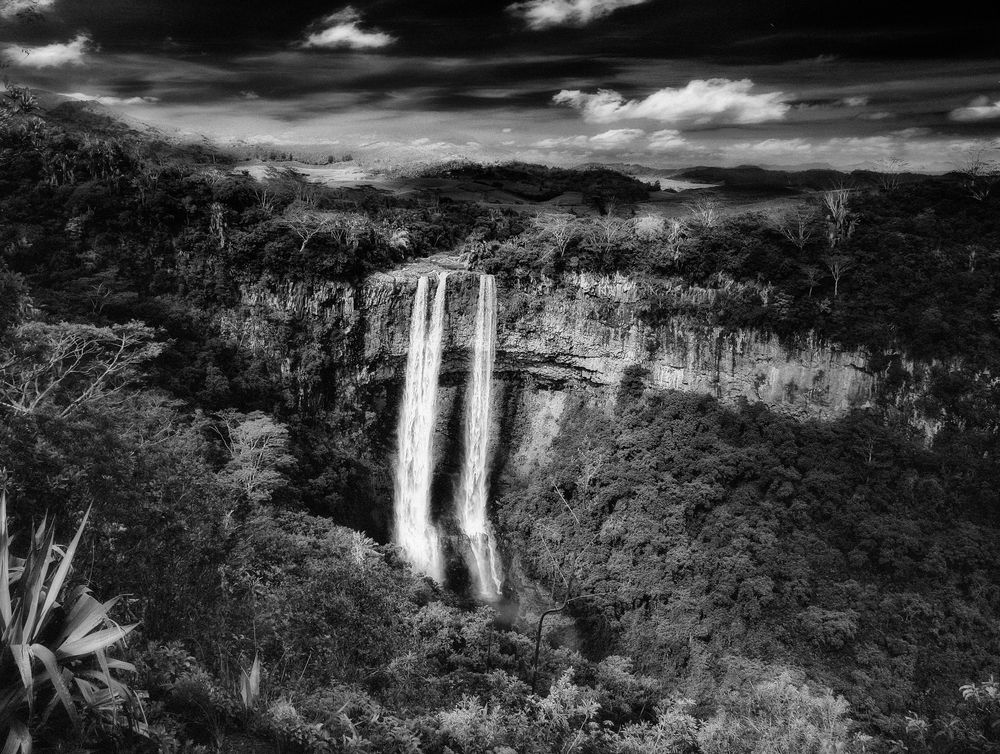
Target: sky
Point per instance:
(664, 83)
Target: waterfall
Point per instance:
(414, 531)
(472, 495)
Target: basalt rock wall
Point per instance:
(583, 333)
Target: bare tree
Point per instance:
(66, 366)
(607, 232)
(349, 227)
(266, 197)
(797, 225)
(557, 230)
(838, 265)
(705, 212)
(813, 275)
(979, 172)
(839, 222)
(307, 222)
(888, 173)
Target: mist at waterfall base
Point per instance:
(414, 531)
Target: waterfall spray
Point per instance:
(472, 495)
(414, 531)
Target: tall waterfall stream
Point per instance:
(414, 531)
(474, 485)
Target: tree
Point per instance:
(839, 222)
(979, 172)
(307, 222)
(888, 173)
(258, 452)
(798, 225)
(559, 229)
(66, 366)
(812, 275)
(16, 101)
(607, 232)
(838, 264)
(265, 197)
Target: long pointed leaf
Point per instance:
(77, 599)
(22, 658)
(18, 739)
(86, 615)
(5, 608)
(93, 642)
(55, 675)
(87, 689)
(126, 667)
(35, 570)
(67, 560)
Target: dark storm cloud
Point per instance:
(768, 29)
(540, 78)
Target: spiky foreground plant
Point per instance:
(54, 642)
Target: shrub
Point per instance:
(777, 716)
(54, 644)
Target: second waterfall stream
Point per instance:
(414, 530)
(473, 490)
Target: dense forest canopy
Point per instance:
(732, 579)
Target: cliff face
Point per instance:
(585, 332)
(558, 347)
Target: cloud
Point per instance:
(979, 109)
(609, 141)
(110, 101)
(699, 103)
(49, 56)
(544, 14)
(667, 140)
(616, 138)
(342, 30)
(563, 142)
(12, 8)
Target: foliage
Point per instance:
(719, 547)
(65, 366)
(833, 546)
(55, 644)
(258, 452)
(780, 716)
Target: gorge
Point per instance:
(555, 345)
(438, 479)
